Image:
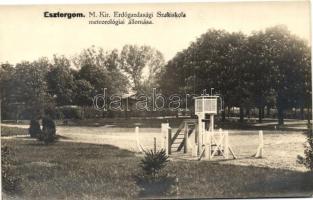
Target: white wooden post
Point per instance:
(169, 140)
(211, 122)
(164, 135)
(209, 144)
(226, 145)
(154, 145)
(137, 138)
(196, 139)
(205, 143)
(164, 130)
(261, 143)
(221, 135)
(200, 134)
(259, 153)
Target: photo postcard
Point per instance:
(156, 100)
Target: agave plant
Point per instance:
(153, 163)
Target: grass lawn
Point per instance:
(13, 131)
(67, 170)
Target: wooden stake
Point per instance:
(137, 138)
(164, 131)
(186, 138)
(169, 138)
(259, 153)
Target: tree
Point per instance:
(248, 71)
(83, 94)
(215, 60)
(6, 74)
(288, 58)
(30, 86)
(231, 77)
(101, 70)
(153, 70)
(61, 81)
(260, 71)
(172, 78)
(142, 64)
(119, 81)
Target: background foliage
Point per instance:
(267, 69)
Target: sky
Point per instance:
(26, 35)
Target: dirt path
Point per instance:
(281, 148)
(124, 138)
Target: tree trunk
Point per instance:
(223, 116)
(260, 114)
(280, 113)
(268, 111)
(248, 112)
(309, 114)
(302, 112)
(228, 111)
(83, 112)
(295, 113)
(241, 114)
(126, 114)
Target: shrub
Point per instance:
(153, 163)
(34, 129)
(51, 111)
(69, 112)
(48, 130)
(9, 181)
(307, 160)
